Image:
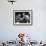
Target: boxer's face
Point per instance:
(19, 15)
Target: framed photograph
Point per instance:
(22, 17)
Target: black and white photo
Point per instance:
(22, 16)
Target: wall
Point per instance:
(37, 31)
